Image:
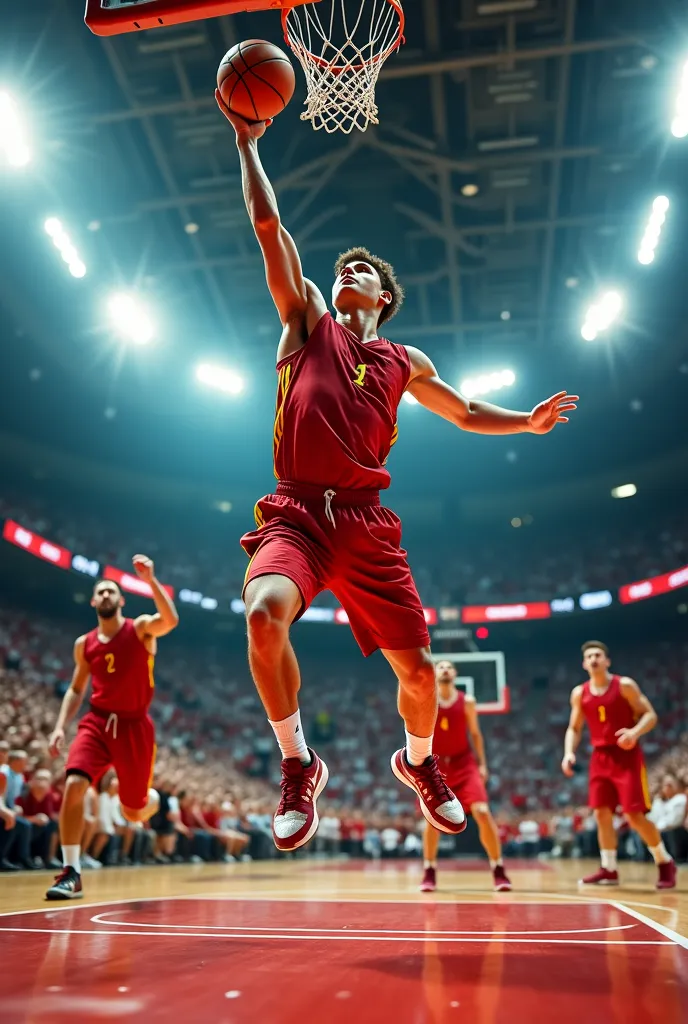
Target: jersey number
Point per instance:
(360, 374)
(602, 712)
(444, 723)
(110, 662)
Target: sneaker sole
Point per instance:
(435, 822)
(50, 895)
(324, 778)
(603, 882)
(427, 888)
(502, 888)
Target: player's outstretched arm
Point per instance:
(298, 305)
(475, 732)
(645, 713)
(71, 702)
(573, 732)
(166, 617)
(439, 397)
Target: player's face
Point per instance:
(107, 600)
(595, 660)
(445, 673)
(357, 286)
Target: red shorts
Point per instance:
(618, 777)
(463, 778)
(128, 746)
(358, 557)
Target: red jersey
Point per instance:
(606, 713)
(336, 417)
(121, 672)
(451, 730)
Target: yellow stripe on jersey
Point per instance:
(283, 382)
(258, 516)
(646, 788)
(151, 666)
(393, 441)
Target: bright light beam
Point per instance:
(472, 387)
(130, 319)
(14, 144)
(55, 229)
(601, 315)
(222, 378)
(653, 230)
(679, 124)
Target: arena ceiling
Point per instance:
(519, 146)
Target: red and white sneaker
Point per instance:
(67, 886)
(502, 882)
(601, 877)
(429, 883)
(437, 802)
(667, 875)
(296, 818)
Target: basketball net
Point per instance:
(341, 53)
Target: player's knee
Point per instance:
(267, 619)
(602, 815)
(133, 814)
(480, 813)
(75, 788)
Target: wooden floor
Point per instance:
(283, 942)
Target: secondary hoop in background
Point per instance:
(341, 46)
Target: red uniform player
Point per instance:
(116, 732)
(339, 387)
(618, 714)
(460, 749)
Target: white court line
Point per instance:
(99, 919)
(336, 938)
(680, 940)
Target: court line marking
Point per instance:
(337, 938)
(99, 919)
(679, 940)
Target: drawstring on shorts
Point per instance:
(328, 496)
(112, 720)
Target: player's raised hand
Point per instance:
(626, 738)
(567, 765)
(56, 742)
(143, 567)
(546, 415)
(248, 129)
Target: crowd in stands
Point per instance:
(218, 767)
(509, 569)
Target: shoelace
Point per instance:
(434, 779)
(62, 875)
(292, 794)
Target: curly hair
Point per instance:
(388, 278)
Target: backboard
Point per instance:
(113, 17)
(481, 674)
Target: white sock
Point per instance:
(71, 857)
(608, 858)
(289, 735)
(660, 854)
(429, 864)
(417, 748)
(496, 863)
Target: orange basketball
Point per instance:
(256, 79)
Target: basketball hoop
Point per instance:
(341, 52)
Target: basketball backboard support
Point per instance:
(114, 17)
(481, 674)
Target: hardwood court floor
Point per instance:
(324, 942)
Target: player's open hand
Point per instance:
(546, 415)
(56, 742)
(243, 128)
(626, 739)
(143, 567)
(567, 765)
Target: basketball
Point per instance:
(256, 80)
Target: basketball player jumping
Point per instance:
(339, 385)
(618, 714)
(116, 732)
(457, 742)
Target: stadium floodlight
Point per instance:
(130, 319)
(624, 491)
(14, 144)
(55, 229)
(472, 387)
(601, 315)
(409, 398)
(679, 124)
(653, 230)
(222, 378)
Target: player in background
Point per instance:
(618, 713)
(460, 748)
(339, 387)
(117, 731)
